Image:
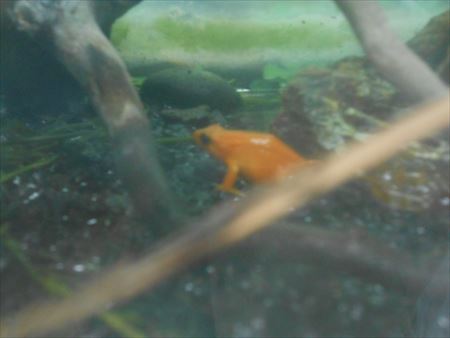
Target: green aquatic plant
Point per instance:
(260, 109)
(27, 168)
(273, 71)
(27, 150)
(55, 287)
(137, 81)
(18, 157)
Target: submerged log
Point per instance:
(66, 32)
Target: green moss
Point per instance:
(119, 32)
(227, 36)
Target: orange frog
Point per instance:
(259, 157)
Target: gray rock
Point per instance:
(188, 88)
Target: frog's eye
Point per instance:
(205, 140)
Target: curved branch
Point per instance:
(68, 29)
(392, 58)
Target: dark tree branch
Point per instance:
(68, 29)
(392, 58)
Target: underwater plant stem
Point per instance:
(230, 223)
(6, 177)
(54, 137)
(161, 140)
(392, 58)
(57, 136)
(57, 288)
(15, 249)
(56, 125)
(120, 325)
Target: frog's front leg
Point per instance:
(230, 179)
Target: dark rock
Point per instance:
(324, 110)
(293, 124)
(198, 116)
(432, 44)
(188, 88)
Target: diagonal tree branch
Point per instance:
(69, 31)
(392, 58)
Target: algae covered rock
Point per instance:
(326, 109)
(188, 88)
(347, 100)
(415, 180)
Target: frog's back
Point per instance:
(260, 156)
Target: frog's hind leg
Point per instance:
(230, 179)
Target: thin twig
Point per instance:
(228, 224)
(57, 136)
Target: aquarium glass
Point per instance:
(283, 83)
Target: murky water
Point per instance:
(298, 72)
